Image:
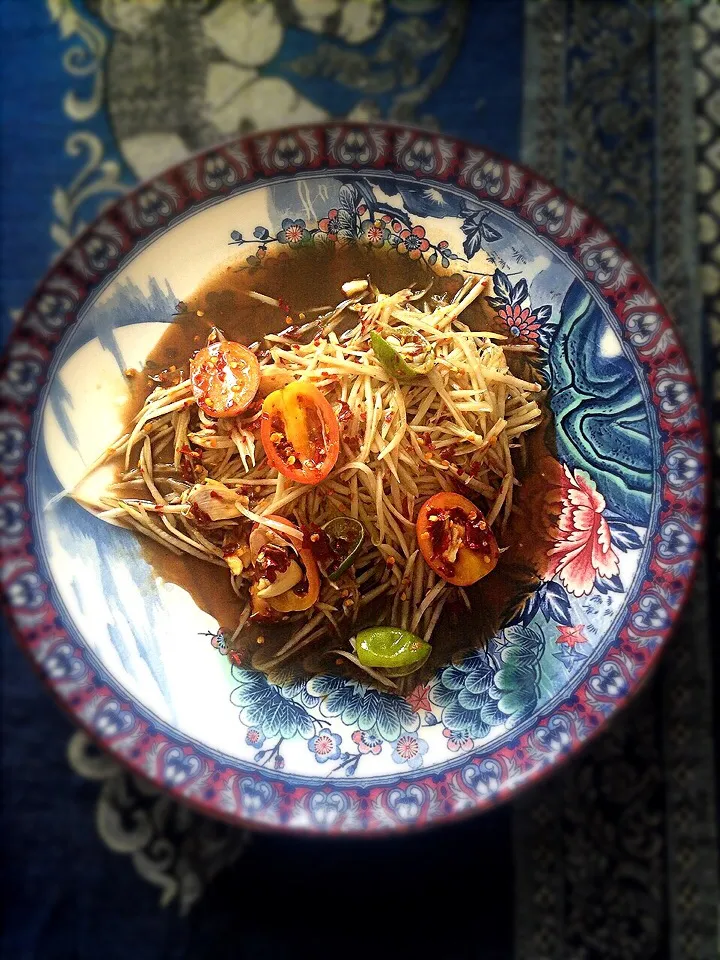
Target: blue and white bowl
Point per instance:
(147, 673)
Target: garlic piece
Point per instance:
(216, 501)
(285, 581)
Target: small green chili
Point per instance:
(403, 352)
(391, 648)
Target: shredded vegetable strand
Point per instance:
(199, 485)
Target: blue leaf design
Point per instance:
(624, 537)
(369, 709)
(348, 201)
(323, 686)
(600, 416)
(472, 701)
(556, 603)
(473, 240)
(479, 680)
(502, 286)
(340, 701)
(454, 677)
(526, 614)
(543, 313)
(492, 715)
(387, 723)
(442, 696)
(457, 718)
(432, 259)
(236, 236)
(609, 585)
(261, 233)
(490, 233)
(264, 705)
(519, 293)
(546, 335)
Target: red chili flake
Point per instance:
(284, 306)
(318, 543)
(291, 333)
(271, 561)
(344, 413)
(199, 515)
(477, 534)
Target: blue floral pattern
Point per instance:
(361, 216)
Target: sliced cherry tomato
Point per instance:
(225, 378)
(455, 539)
(304, 595)
(300, 432)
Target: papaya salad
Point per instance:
(350, 474)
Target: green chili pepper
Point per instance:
(346, 536)
(403, 352)
(391, 648)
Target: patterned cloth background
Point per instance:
(618, 101)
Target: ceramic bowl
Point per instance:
(147, 673)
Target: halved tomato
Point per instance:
(300, 432)
(455, 539)
(225, 377)
(302, 595)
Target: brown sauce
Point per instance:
(309, 278)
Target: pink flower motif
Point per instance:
(571, 636)
(325, 745)
(330, 224)
(255, 737)
(409, 749)
(583, 550)
(375, 232)
(293, 231)
(294, 234)
(367, 742)
(457, 740)
(413, 242)
(520, 321)
(419, 699)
